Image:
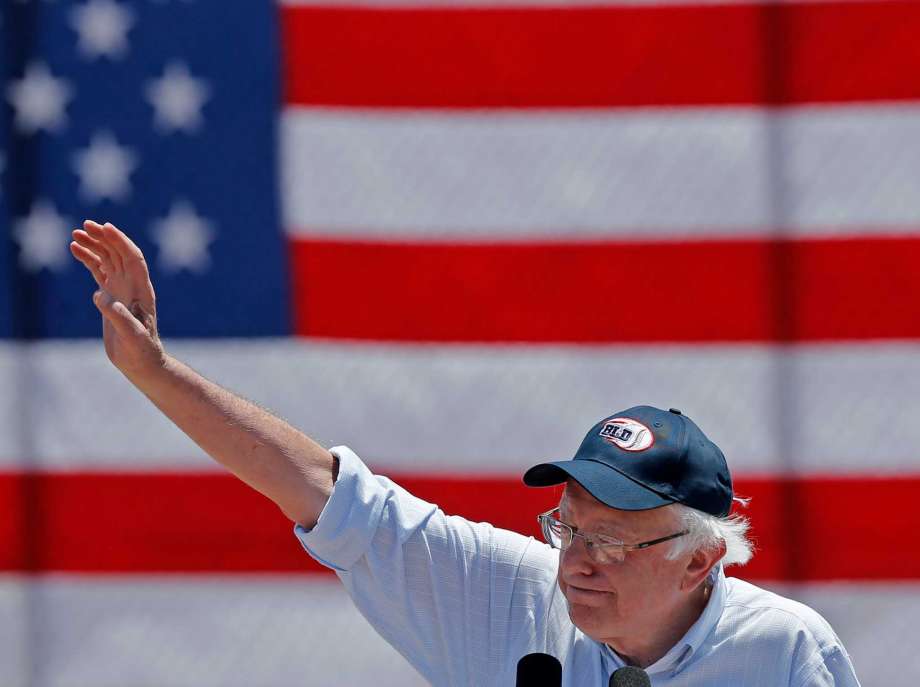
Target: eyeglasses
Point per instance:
(601, 547)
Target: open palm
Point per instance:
(125, 297)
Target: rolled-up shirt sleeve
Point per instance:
(460, 600)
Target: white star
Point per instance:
(102, 27)
(177, 98)
(39, 99)
(42, 238)
(183, 237)
(105, 168)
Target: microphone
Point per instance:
(539, 670)
(629, 676)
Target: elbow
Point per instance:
(299, 517)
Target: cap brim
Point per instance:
(606, 484)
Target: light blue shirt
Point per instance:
(464, 601)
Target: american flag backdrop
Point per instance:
(452, 235)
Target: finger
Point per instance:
(94, 229)
(84, 238)
(96, 247)
(97, 231)
(84, 242)
(118, 315)
(126, 248)
(90, 261)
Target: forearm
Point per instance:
(262, 450)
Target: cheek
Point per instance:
(633, 585)
(646, 590)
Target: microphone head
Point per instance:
(539, 670)
(630, 676)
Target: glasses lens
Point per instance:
(601, 549)
(608, 554)
(555, 532)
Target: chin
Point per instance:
(593, 621)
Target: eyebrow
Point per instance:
(610, 529)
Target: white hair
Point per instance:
(705, 531)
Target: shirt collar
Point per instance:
(681, 652)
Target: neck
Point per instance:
(644, 655)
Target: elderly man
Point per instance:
(631, 574)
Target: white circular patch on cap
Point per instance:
(628, 434)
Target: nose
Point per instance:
(575, 560)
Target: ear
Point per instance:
(699, 565)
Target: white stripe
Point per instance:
(13, 444)
(16, 632)
(204, 631)
(282, 631)
(625, 174)
(488, 409)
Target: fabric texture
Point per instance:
(464, 601)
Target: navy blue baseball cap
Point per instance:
(645, 458)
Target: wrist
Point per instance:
(152, 365)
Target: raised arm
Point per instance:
(265, 452)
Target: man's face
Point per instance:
(618, 602)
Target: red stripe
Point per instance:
(702, 291)
(602, 56)
(807, 529)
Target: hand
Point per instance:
(125, 296)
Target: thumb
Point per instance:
(118, 315)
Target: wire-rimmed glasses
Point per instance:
(601, 547)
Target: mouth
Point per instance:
(586, 597)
